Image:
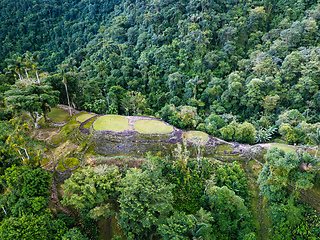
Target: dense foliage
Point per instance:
(244, 71)
(189, 62)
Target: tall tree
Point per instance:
(145, 202)
(90, 189)
(33, 99)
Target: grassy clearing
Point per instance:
(88, 124)
(197, 136)
(284, 147)
(114, 123)
(152, 126)
(58, 115)
(56, 139)
(71, 162)
(60, 166)
(83, 117)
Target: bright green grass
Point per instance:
(152, 126)
(284, 147)
(114, 123)
(88, 124)
(71, 162)
(60, 166)
(68, 128)
(197, 136)
(84, 117)
(58, 115)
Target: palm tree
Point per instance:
(63, 72)
(27, 65)
(32, 62)
(195, 82)
(15, 64)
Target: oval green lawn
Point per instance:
(114, 123)
(196, 136)
(152, 126)
(84, 117)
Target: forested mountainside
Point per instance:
(56, 28)
(179, 60)
(234, 57)
(244, 71)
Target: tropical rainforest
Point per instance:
(246, 72)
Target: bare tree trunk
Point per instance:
(27, 75)
(35, 118)
(20, 77)
(37, 76)
(65, 84)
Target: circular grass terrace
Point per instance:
(197, 137)
(152, 126)
(84, 117)
(113, 123)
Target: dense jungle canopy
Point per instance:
(244, 71)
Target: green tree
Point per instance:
(33, 99)
(234, 178)
(178, 227)
(134, 103)
(74, 234)
(292, 117)
(283, 171)
(231, 216)
(16, 64)
(90, 189)
(35, 227)
(245, 133)
(270, 103)
(145, 202)
(26, 190)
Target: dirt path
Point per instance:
(258, 204)
(54, 199)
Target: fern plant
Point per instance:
(264, 135)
